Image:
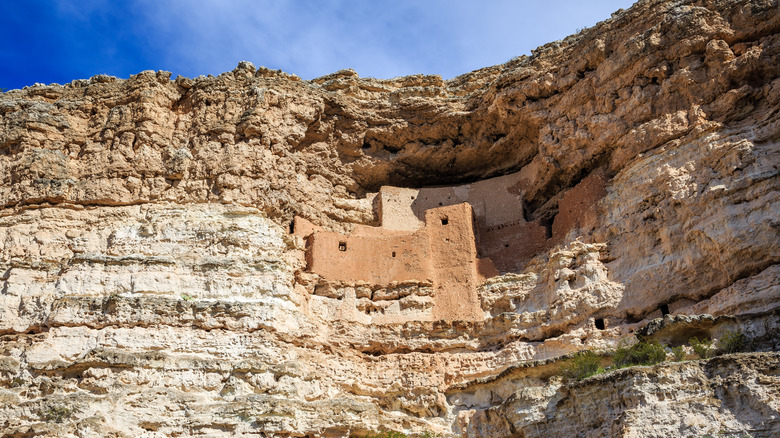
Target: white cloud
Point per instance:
(381, 39)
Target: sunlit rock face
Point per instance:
(171, 257)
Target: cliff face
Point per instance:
(153, 283)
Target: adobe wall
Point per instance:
(510, 245)
(303, 228)
(450, 248)
(577, 208)
(454, 263)
(442, 253)
(395, 209)
(503, 235)
(374, 259)
(495, 201)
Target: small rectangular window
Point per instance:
(342, 246)
(444, 221)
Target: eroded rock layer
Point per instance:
(160, 272)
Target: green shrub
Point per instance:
(394, 434)
(387, 434)
(702, 348)
(731, 342)
(584, 364)
(186, 297)
(56, 414)
(641, 353)
(678, 353)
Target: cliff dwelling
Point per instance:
(583, 242)
(441, 243)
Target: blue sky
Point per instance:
(61, 40)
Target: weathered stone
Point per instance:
(161, 274)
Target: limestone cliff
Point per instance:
(159, 270)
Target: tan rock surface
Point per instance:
(722, 396)
(150, 286)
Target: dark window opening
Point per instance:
(292, 226)
(393, 253)
(527, 213)
(444, 221)
(506, 245)
(342, 246)
(664, 309)
(547, 223)
(600, 323)
(440, 204)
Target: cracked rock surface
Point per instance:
(149, 285)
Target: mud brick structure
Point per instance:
(451, 237)
(442, 253)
